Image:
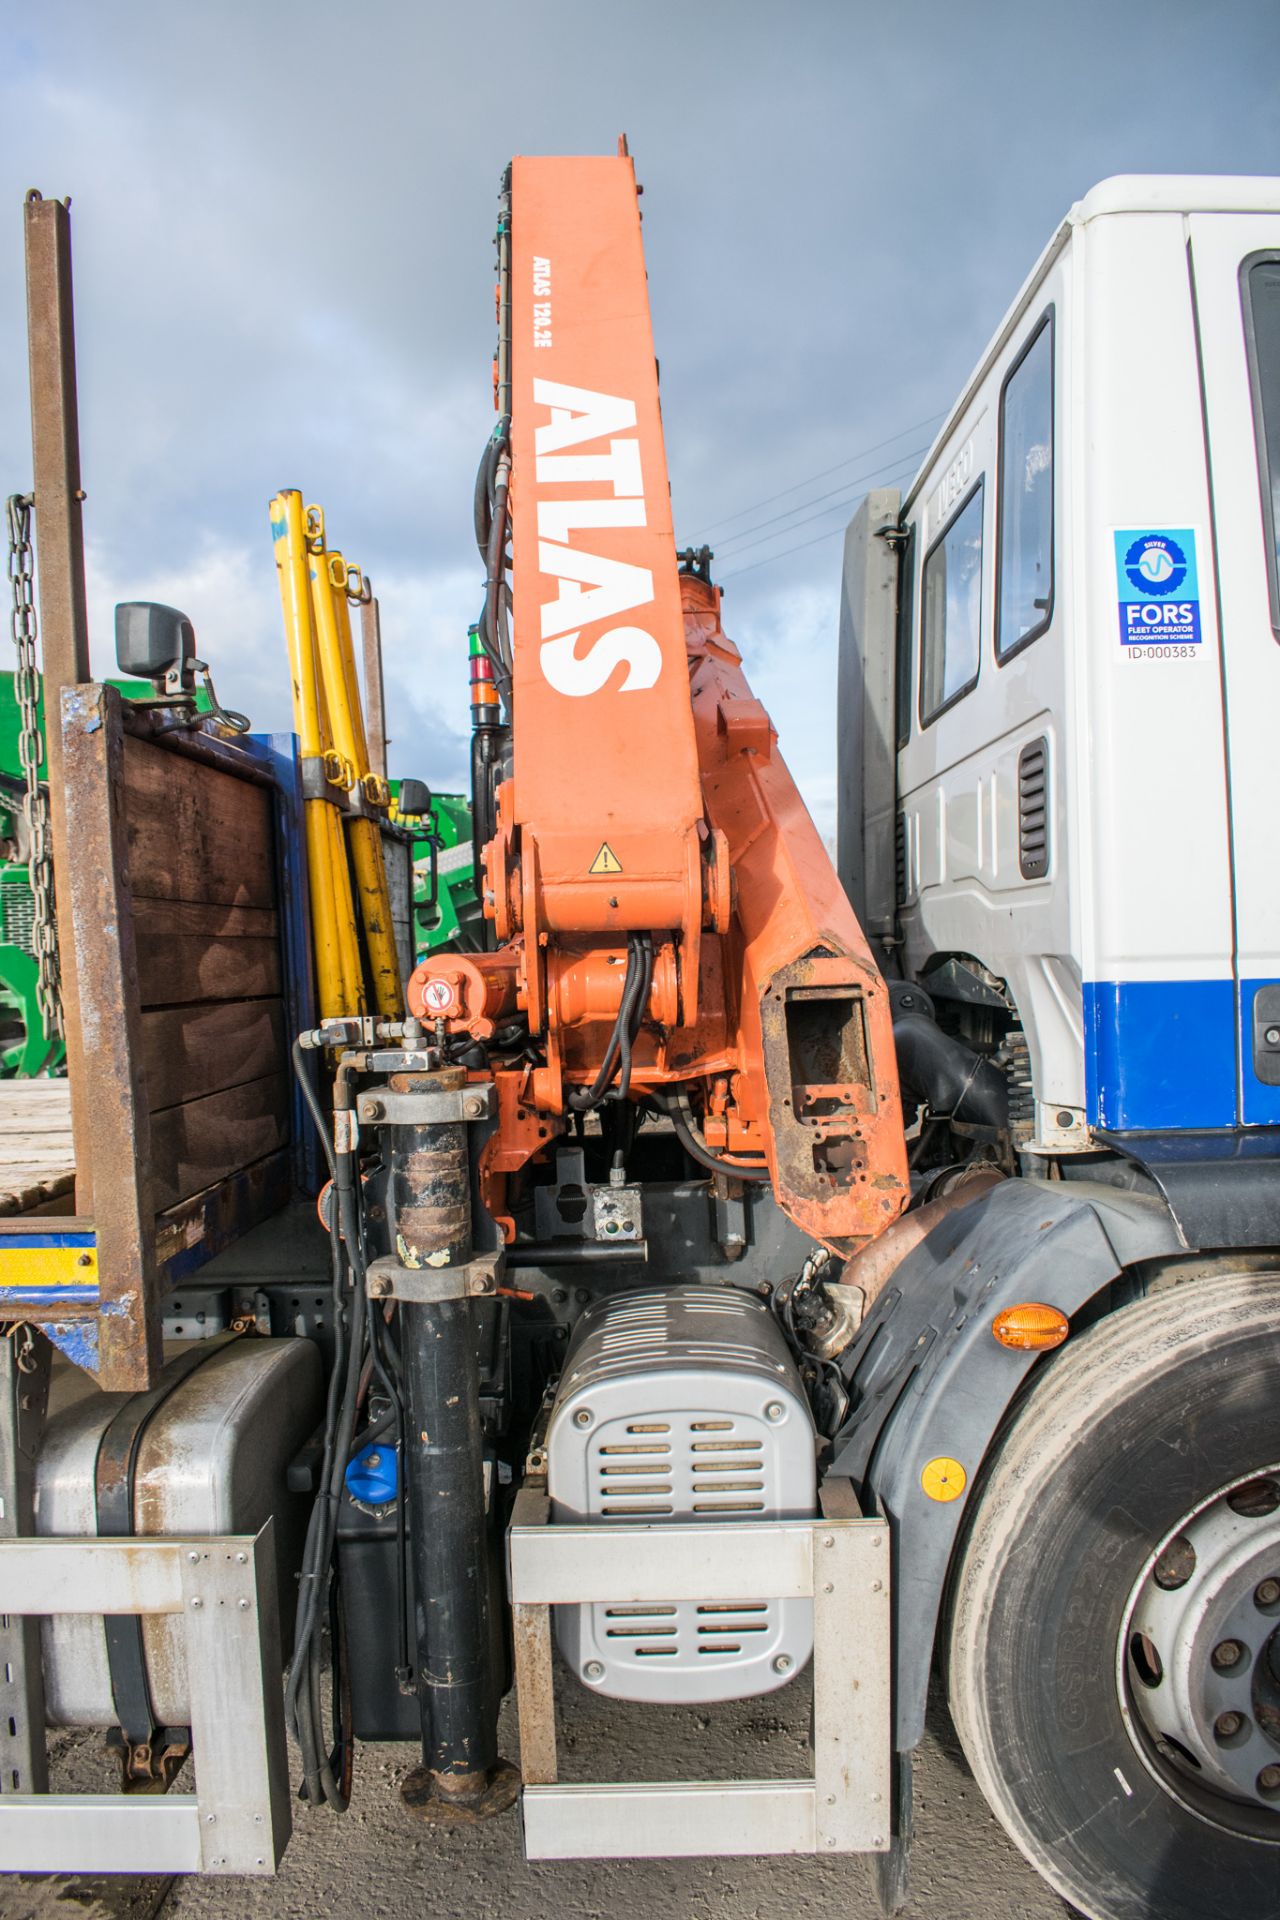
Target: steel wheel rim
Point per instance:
(1198, 1658)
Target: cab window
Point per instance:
(906, 621)
(1261, 284)
(952, 609)
(1024, 549)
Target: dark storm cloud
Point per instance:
(284, 267)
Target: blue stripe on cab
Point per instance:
(1160, 1053)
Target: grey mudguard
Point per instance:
(930, 1380)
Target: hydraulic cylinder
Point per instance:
(429, 1207)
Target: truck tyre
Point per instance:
(1113, 1644)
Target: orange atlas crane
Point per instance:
(669, 929)
(633, 1138)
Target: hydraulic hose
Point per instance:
(630, 1026)
(305, 1677)
(635, 995)
(495, 563)
(677, 1110)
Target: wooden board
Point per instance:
(195, 833)
(191, 1051)
(188, 951)
(37, 1158)
(200, 1143)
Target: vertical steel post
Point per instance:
(100, 910)
(64, 627)
(371, 643)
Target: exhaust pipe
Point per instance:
(870, 1271)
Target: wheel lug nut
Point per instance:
(1227, 1653)
(1228, 1725)
(1269, 1779)
(1267, 1593)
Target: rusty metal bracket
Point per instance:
(387, 1279)
(476, 1101)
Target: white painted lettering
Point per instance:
(591, 587)
(558, 518)
(615, 586)
(575, 677)
(619, 468)
(578, 415)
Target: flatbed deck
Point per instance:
(37, 1158)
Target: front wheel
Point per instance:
(1113, 1652)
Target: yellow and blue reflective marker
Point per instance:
(47, 1267)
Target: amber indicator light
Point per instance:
(1030, 1327)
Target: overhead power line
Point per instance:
(799, 547)
(848, 489)
(849, 461)
(769, 558)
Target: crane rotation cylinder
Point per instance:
(429, 1203)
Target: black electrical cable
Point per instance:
(631, 1027)
(489, 515)
(584, 1098)
(373, 1432)
(314, 1560)
(340, 1693)
(491, 652)
(481, 508)
(304, 1690)
(313, 1106)
(345, 1190)
(496, 564)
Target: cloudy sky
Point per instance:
(283, 250)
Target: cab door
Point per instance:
(1235, 275)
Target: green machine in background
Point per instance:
(25, 1050)
(446, 907)
(446, 904)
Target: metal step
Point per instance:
(841, 1564)
(238, 1819)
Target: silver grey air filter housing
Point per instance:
(682, 1403)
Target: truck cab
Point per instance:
(1059, 667)
(1077, 726)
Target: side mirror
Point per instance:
(155, 643)
(414, 799)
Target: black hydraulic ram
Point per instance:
(431, 1269)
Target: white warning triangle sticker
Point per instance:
(606, 861)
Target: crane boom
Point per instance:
(668, 922)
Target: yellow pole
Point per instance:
(338, 975)
(366, 835)
(342, 694)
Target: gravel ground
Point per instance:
(379, 1862)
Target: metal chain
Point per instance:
(35, 801)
